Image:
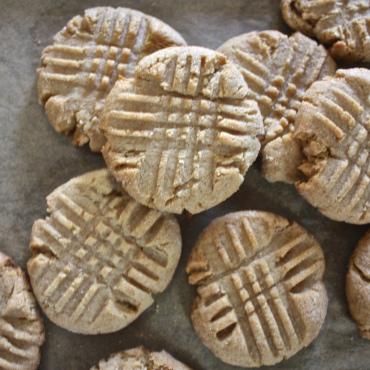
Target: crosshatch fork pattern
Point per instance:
(278, 70)
(246, 288)
(342, 25)
(20, 341)
(176, 133)
(87, 57)
(21, 327)
(340, 118)
(104, 53)
(101, 252)
(181, 131)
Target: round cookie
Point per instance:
(21, 327)
(340, 25)
(87, 57)
(261, 297)
(358, 286)
(140, 358)
(99, 257)
(333, 126)
(182, 134)
(278, 70)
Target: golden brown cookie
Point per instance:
(341, 25)
(21, 327)
(333, 126)
(99, 257)
(278, 70)
(86, 58)
(182, 134)
(140, 358)
(358, 286)
(261, 297)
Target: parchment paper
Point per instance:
(35, 160)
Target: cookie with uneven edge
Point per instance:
(333, 127)
(99, 258)
(261, 297)
(182, 134)
(340, 25)
(140, 358)
(21, 327)
(358, 286)
(278, 70)
(87, 57)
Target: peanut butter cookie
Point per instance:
(140, 359)
(341, 25)
(85, 60)
(358, 286)
(181, 134)
(278, 70)
(99, 257)
(333, 125)
(261, 297)
(21, 327)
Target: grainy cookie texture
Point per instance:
(278, 70)
(85, 60)
(358, 286)
(261, 297)
(182, 134)
(342, 25)
(333, 125)
(99, 257)
(140, 358)
(21, 327)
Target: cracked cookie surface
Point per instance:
(333, 125)
(278, 70)
(341, 25)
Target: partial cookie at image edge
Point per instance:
(21, 326)
(332, 127)
(140, 358)
(358, 286)
(342, 27)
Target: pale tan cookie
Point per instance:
(342, 25)
(182, 134)
(333, 125)
(358, 286)
(261, 297)
(140, 358)
(278, 70)
(99, 257)
(87, 57)
(21, 327)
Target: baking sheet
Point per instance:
(35, 160)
